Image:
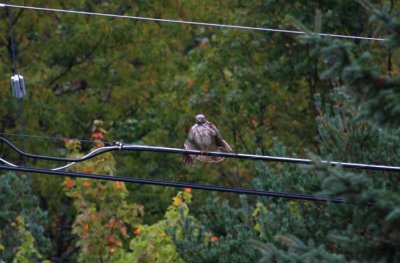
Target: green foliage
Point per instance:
(147, 80)
(152, 243)
(362, 232)
(27, 252)
(361, 73)
(320, 232)
(296, 251)
(104, 217)
(342, 136)
(17, 202)
(219, 235)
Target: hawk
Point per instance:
(204, 136)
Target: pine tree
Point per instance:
(21, 217)
(219, 235)
(352, 128)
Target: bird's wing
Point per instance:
(224, 145)
(192, 132)
(221, 143)
(214, 128)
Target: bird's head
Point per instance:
(200, 119)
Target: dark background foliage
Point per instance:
(268, 93)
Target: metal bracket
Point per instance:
(18, 86)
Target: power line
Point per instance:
(13, 48)
(188, 22)
(145, 148)
(19, 92)
(180, 185)
(48, 137)
(16, 73)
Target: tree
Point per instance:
(104, 218)
(23, 222)
(148, 80)
(348, 132)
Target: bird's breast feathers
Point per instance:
(203, 135)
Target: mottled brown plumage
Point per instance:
(204, 136)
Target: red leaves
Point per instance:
(87, 170)
(137, 232)
(69, 183)
(111, 223)
(97, 136)
(110, 240)
(191, 82)
(214, 238)
(86, 227)
(118, 185)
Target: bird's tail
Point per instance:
(188, 159)
(209, 159)
(213, 159)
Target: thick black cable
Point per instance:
(179, 184)
(145, 148)
(51, 158)
(49, 137)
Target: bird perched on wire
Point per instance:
(204, 136)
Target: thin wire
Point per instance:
(21, 117)
(48, 137)
(144, 148)
(20, 101)
(15, 71)
(13, 51)
(189, 22)
(180, 185)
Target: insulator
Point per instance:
(18, 86)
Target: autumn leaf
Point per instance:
(118, 185)
(214, 238)
(111, 223)
(124, 231)
(97, 135)
(205, 90)
(137, 232)
(177, 201)
(86, 227)
(87, 170)
(191, 82)
(69, 183)
(110, 240)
